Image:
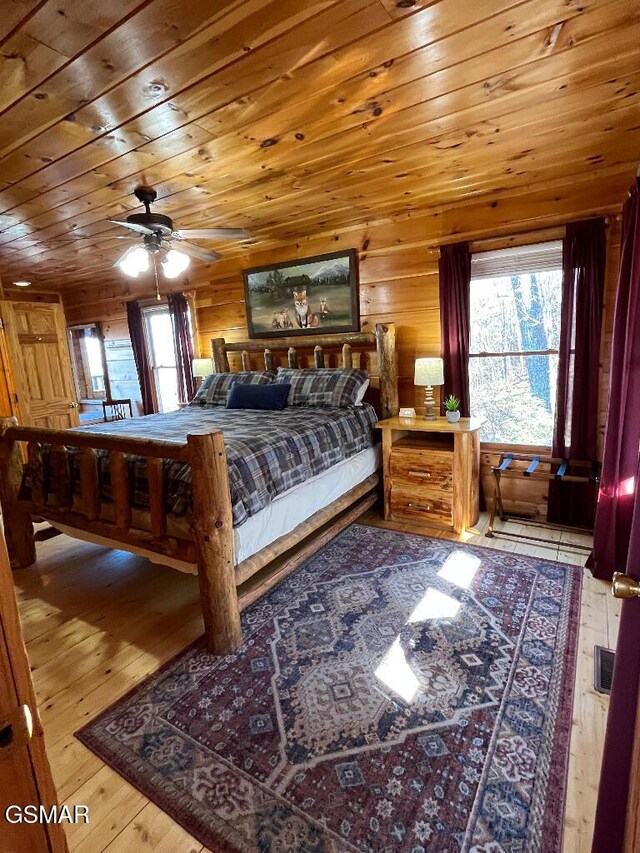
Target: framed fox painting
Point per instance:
(301, 297)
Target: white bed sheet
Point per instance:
(292, 507)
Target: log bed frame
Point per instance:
(208, 548)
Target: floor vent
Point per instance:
(603, 669)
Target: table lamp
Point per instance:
(201, 367)
(429, 372)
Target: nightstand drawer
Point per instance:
(421, 504)
(422, 468)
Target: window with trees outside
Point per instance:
(516, 297)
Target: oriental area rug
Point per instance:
(395, 693)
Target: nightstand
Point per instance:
(431, 471)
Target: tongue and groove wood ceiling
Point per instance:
(295, 117)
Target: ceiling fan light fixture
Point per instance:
(174, 263)
(135, 262)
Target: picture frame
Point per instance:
(315, 295)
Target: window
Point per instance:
(516, 297)
(87, 359)
(162, 356)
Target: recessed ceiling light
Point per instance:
(22, 283)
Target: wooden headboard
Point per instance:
(349, 350)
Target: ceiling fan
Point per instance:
(160, 238)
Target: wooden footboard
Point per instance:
(211, 545)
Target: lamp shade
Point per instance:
(429, 371)
(202, 367)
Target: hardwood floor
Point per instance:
(96, 622)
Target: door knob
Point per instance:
(622, 586)
(73, 405)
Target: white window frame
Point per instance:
(147, 313)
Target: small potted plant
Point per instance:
(452, 409)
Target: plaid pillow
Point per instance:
(214, 389)
(322, 386)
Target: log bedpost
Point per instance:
(212, 527)
(220, 360)
(18, 526)
(387, 369)
(268, 360)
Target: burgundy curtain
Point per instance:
(454, 269)
(617, 533)
(183, 342)
(141, 356)
(619, 485)
(575, 433)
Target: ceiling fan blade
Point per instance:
(141, 229)
(212, 233)
(196, 251)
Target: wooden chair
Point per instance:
(116, 410)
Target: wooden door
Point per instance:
(37, 343)
(25, 775)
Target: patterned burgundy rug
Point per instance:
(396, 693)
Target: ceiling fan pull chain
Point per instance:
(155, 272)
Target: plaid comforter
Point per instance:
(267, 452)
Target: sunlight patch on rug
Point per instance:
(396, 693)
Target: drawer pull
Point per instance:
(425, 474)
(427, 507)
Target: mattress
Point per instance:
(289, 510)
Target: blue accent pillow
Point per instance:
(270, 397)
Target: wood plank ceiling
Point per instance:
(294, 117)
